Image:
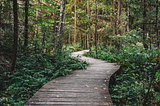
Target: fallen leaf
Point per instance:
(87, 86)
(95, 88)
(104, 88)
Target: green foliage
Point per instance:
(72, 47)
(32, 72)
(129, 85)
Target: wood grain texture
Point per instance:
(88, 87)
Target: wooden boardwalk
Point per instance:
(87, 87)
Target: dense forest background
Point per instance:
(37, 37)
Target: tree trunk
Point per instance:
(55, 29)
(69, 39)
(128, 17)
(120, 22)
(61, 25)
(26, 23)
(158, 37)
(86, 40)
(115, 20)
(36, 31)
(96, 37)
(89, 35)
(144, 28)
(75, 19)
(11, 16)
(15, 9)
(121, 10)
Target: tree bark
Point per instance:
(75, 19)
(144, 28)
(86, 37)
(89, 26)
(128, 17)
(36, 31)
(121, 10)
(11, 16)
(158, 37)
(55, 29)
(96, 37)
(61, 25)
(115, 20)
(26, 23)
(15, 9)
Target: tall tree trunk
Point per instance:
(55, 29)
(158, 37)
(1, 25)
(69, 38)
(26, 23)
(75, 20)
(121, 10)
(61, 25)
(115, 20)
(36, 31)
(11, 16)
(89, 26)
(128, 17)
(144, 26)
(96, 37)
(15, 9)
(120, 22)
(86, 37)
(101, 35)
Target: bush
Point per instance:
(129, 85)
(32, 72)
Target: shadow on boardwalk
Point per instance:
(87, 87)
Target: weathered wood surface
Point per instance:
(87, 87)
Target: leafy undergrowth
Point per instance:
(32, 72)
(130, 84)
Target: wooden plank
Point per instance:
(71, 103)
(68, 99)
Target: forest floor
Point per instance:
(87, 87)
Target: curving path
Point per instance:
(87, 87)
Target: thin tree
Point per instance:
(15, 9)
(75, 19)
(89, 26)
(26, 23)
(86, 28)
(11, 16)
(158, 37)
(61, 24)
(121, 10)
(102, 24)
(115, 23)
(128, 17)
(144, 26)
(115, 20)
(96, 37)
(36, 31)
(55, 29)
